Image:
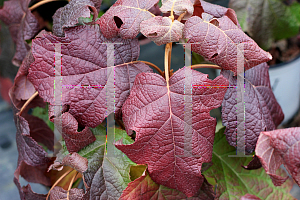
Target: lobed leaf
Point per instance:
(145, 188)
(162, 30)
(233, 181)
(172, 147)
(267, 20)
(22, 26)
(108, 168)
(87, 80)
(262, 111)
(278, 147)
(68, 15)
(220, 41)
(124, 18)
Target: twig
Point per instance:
(71, 183)
(151, 65)
(181, 16)
(56, 182)
(167, 53)
(28, 102)
(199, 66)
(40, 3)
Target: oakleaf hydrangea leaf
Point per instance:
(267, 20)
(58, 193)
(68, 15)
(22, 26)
(124, 18)
(108, 168)
(278, 147)
(262, 111)
(88, 84)
(68, 126)
(162, 30)
(220, 41)
(233, 181)
(217, 11)
(178, 7)
(160, 142)
(145, 188)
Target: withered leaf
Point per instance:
(68, 15)
(178, 7)
(162, 30)
(278, 147)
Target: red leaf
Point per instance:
(156, 113)
(68, 15)
(262, 112)
(22, 26)
(85, 72)
(253, 164)
(162, 30)
(128, 15)
(68, 126)
(145, 188)
(280, 147)
(23, 88)
(26, 192)
(222, 42)
(217, 11)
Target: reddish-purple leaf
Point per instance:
(22, 26)
(262, 112)
(145, 188)
(68, 126)
(68, 15)
(26, 192)
(280, 147)
(29, 150)
(178, 7)
(73, 160)
(173, 147)
(124, 18)
(59, 193)
(85, 74)
(253, 164)
(250, 197)
(220, 41)
(23, 89)
(217, 11)
(162, 30)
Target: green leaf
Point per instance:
(267, 20)
(108, 172)
(42, 113)
(233, 181)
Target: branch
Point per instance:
(199, 66)
(56, 182)
(28, 102)
(151, 65)
(168, 49)
(181, 16)
(71, 183)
